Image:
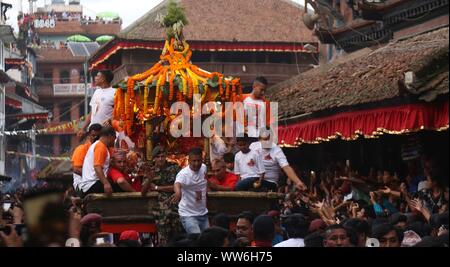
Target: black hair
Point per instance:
(222, 220)
(128, 244)
(39, 192)
(336, 227)
(428, 242)
(314, 240)
(95, 127)
(360, 226)
(183, 243)
(397, 217)
(263, 228)
(107, 131)
(228, 157)
(420, 228)
(109, 75)
(262, 80)
(381, 230)
(185, 240)
(53, 212)
(378, 221)
(296, 226)
(246, 138)
(212, 237)
(437, 220)
(196, 151)
(353, 235)
(247, 215)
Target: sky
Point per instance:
(129, 10)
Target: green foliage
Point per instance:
(214, 82)
(122, 85)
(201, 88)
(177, 82)
(175, 13)
(166, 89)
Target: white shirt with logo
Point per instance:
(273, 159)
(193, 192)
(248, 165)
(257, 109)
(102, 105)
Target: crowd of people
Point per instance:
(68, 16)
(337, 207)
(28, 31)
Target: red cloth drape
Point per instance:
(200, 46)
(13, 103)
(395, 120)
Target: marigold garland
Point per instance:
(173, 65)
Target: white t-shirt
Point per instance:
(76, 180)
(102, 105)
(217, 148)
(291, 243)
(89, 176)
(257, 110)
(248, 165)
(193, 192)
(273, 160)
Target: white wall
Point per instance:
(2, 130)
(2, 114)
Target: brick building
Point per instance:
(238, 38)
(387, 82)
(60, 76)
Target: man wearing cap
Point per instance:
(274, 160)
(166, 217)
(130, 235)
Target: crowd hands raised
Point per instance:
(335, 207)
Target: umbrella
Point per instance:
(104, 38)
(79, 38)
(108, 15)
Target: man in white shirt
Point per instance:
(256, 107)
(274, 161)
(102, 102)
(248, 165)
(96, 164)
(190, 192)
(296, 228)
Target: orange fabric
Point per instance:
(100, 154)
(79, 154)
(117, 125)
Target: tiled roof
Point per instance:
(230, 20)
(373, 77)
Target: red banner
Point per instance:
(201, 46)
(369, 123)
